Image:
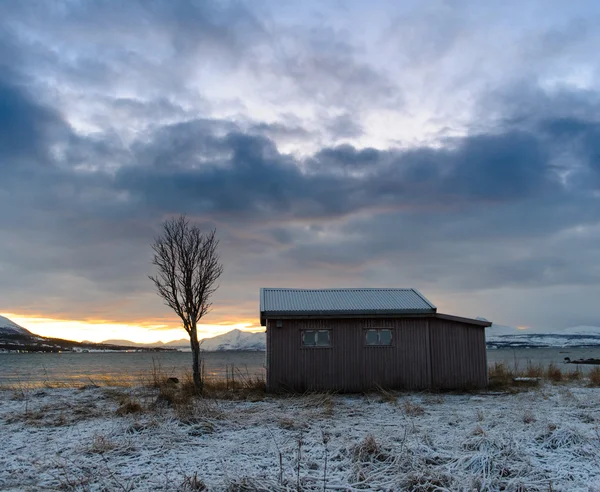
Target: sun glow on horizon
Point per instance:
(100, 330)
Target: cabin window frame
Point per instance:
(379, 344)
(315, 345)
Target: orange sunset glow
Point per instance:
(100, 330)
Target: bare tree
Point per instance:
(188, 269)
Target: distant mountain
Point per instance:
(172, 344)
(581, 330)
(8, 327)
(232, 340)
(499, 336)
(15, 338)
(129, 343)
(184, 342)
(235, 340)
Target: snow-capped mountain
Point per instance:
(500, 336)
(8, 327)
(232, 340)
(235, 340)
(581, 330)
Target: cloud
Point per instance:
(206, 109)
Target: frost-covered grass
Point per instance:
(98, 438)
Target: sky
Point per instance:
(450, 146)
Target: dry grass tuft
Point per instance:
(192, 482)
(101, 444)
(386, 395)
(369, 450)
(19, 394)
(169, 395)
(128, 407)
(500, 376)
(367, 447)
(249, 484)
(427, 480)
(412, 409)
(242, 387)
(57, 414)
(287, 423)
(534, 371)
(199, 413)
(553, 373)
(528, 417)
(252, 389)
(323, 402)
(478, 431)
(116, 395)
(594, 376)
(576, 375)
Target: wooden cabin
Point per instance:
(353, 340)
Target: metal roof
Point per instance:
(290, 302)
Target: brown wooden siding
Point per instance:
(349, 365)
(458, 350)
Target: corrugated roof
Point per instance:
(275, 302)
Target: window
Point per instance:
(316, 338)
(378, 337)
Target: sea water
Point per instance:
(37, 369)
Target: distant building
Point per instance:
(360, 339)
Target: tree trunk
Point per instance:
(196, 369)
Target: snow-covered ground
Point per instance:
(545, 439)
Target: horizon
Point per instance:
(44, 327)
(80, 331)
(449, 147)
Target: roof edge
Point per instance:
(413, 314)
(330, 289)
(424, 299)
(470, 321)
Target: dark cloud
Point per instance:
(579, 137)
(434, 206)
(86, 179)
(25, 128)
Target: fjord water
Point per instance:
(519, 359)
(37, 369)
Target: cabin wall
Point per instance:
(348, 365)
(411, 362)
(460, 356)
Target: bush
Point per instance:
(553, 373)
(499, 376)
(534, 371)
(575, 375)
(594, 376)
